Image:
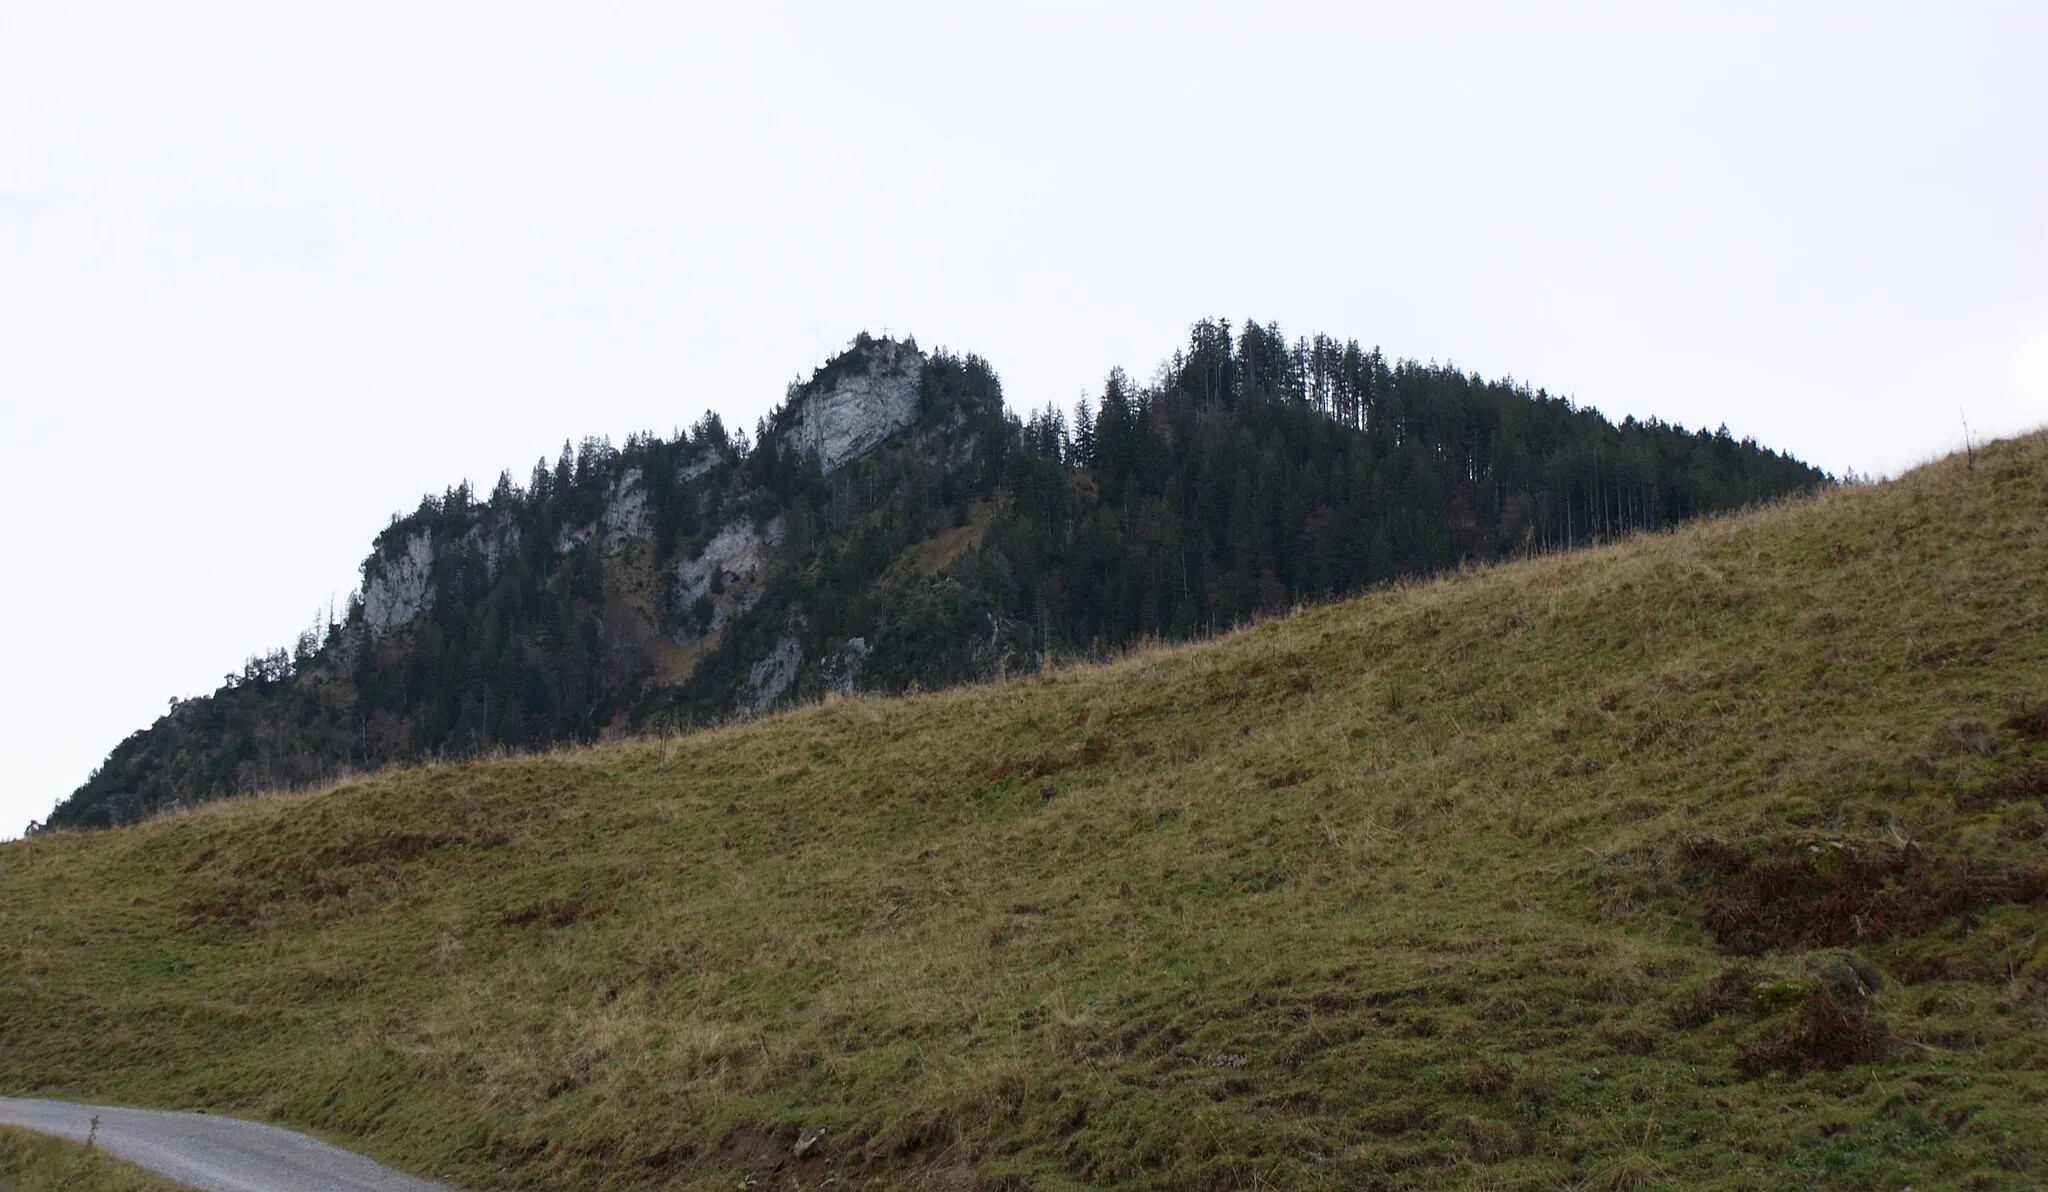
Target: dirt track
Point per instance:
(216, 1154)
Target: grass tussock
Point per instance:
(1707, 859)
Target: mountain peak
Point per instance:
(685, 580)
(856, 401)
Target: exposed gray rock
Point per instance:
(704, 461)
(770, 678)
(1849, 977)
(737, 556)
(841, 671)
(855, 414)
(496, 539)
(625, 518)
(397, 590)
(810, 1140)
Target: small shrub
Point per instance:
(1488, 1141)
(2031, 721)
(1825, 1034)
(1828, 893)
(1090, 752)
(1533, 1084)
(232, 906)
(397, 845)
(2028, 785)
(1627, 1036)
(1729, 989)
(1632, 1170)
(559, 912)
(1488, 1078)
(1770, 997)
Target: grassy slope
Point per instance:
(1386, 893)
(34, 1163)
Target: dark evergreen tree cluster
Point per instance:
(1253, 474)
(1257, 474)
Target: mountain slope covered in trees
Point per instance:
(892, 526)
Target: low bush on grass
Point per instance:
(1828, 893)
(1825, 1033)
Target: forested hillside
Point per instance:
(892, 526)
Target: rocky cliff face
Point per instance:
(395, 590)
(624, 518)
(861, 402)
(851, 414)
(548, 612)
(771, 678)
(727, 575)
(682, 547)
(665, 581)
(398, 578)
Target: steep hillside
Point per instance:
(892, 528)
(1713, 858)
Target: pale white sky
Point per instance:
(268, 272)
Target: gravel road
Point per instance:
(216, 1154)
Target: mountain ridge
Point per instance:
(687, 580)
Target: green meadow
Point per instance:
(1710, 859)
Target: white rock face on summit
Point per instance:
(856, 413)
(401, 589)
(396, 591)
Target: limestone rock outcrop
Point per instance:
(857, 410)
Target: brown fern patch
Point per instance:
(232, 906)
(1826, 1034)
(1830, 893)
(396, 845)
(1088, 753)
(558, 912)
(2026, 785)
(2031, 721)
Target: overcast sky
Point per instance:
(268, 272)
